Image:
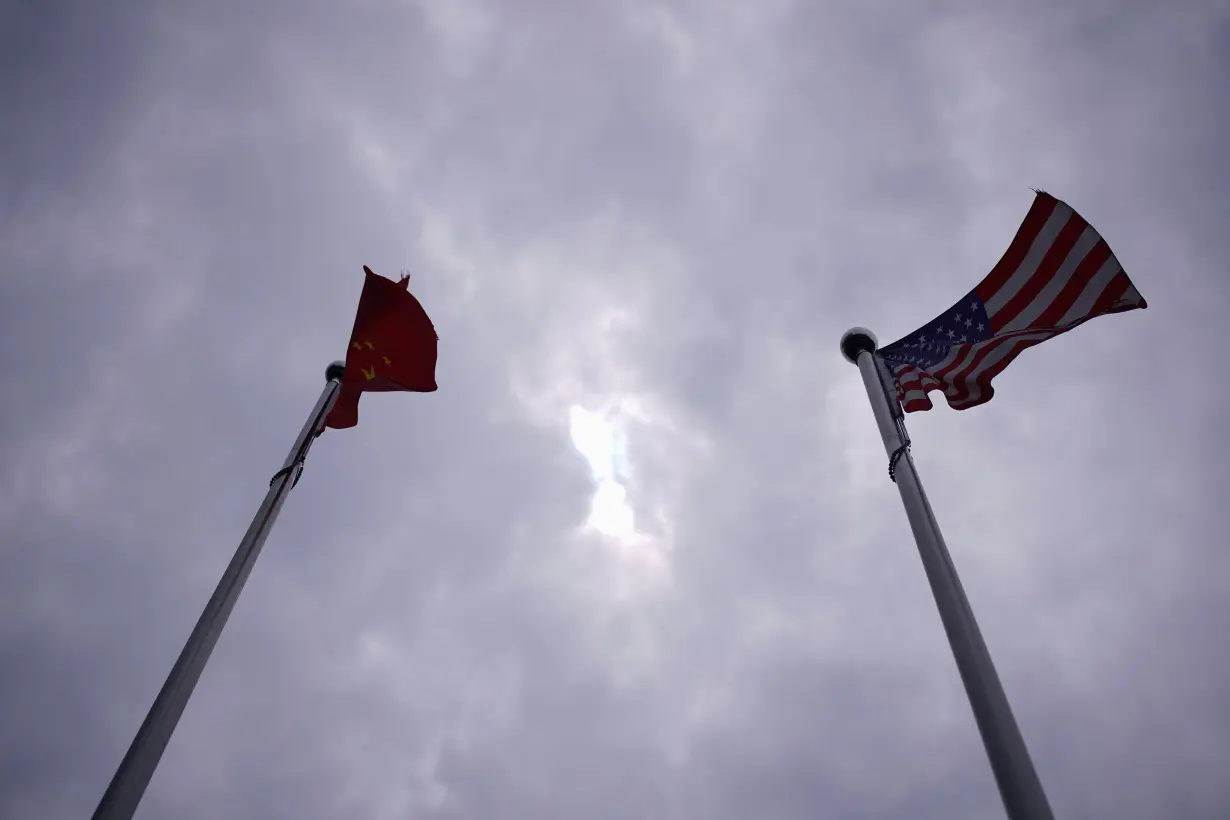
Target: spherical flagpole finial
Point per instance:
(335, 371)
(857, 340)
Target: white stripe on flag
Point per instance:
(1029, 265)
(1088, 239)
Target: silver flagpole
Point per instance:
(1018, 782)
(127, 787)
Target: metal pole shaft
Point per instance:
(1018, 782)
(127, 787)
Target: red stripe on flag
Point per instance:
(1035, 220)
(957, 357)
(970, 372)
(983, 379)
(974, 372)
(1115, 290)
(911, 379)
(1046, 271)
(1067, 297)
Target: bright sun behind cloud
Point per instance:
(604, 448)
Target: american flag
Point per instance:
(1057, 273)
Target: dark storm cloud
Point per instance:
(669, 211)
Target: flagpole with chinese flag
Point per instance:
(392, 348)
(127, 787)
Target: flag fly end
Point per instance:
(857, 340)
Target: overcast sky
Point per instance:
(639, 557)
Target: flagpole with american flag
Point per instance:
(1057, 274)
(1018, 782)
(393, 347)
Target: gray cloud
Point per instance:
(668, 213)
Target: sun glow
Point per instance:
(604, 448)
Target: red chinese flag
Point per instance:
(392, 347)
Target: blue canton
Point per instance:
(965, 322)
